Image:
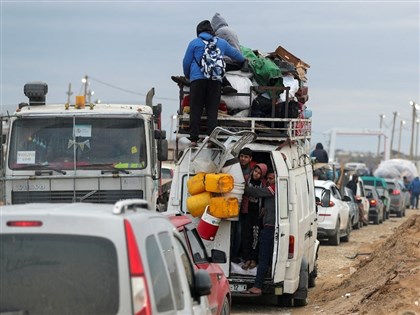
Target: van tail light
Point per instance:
(140, 294)
(291, 247)
(396, 192)
(331, 204)
(372, 202)
(24, 223)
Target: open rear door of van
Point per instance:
(281, 240)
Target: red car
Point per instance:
(220, 297)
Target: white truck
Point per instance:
(284, 145)
(98, 153)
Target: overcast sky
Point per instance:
(364, 55)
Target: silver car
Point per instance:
(96, 259)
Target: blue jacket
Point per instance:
(195, 51)
(415, 186)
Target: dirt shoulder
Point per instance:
(377, 272)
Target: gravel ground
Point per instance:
(362, 276)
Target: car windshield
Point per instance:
(58, 274)
(65, 143)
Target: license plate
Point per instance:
(237, 287)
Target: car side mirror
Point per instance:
(325, 198)
(218, 256)
(202, 283)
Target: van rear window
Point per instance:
(58, 274)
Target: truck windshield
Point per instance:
(82, 142)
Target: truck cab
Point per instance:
(98, 153)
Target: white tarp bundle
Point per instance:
(396, 168)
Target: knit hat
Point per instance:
(204, 26)
(263, 167)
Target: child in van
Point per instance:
(250, 210)
(266, 241)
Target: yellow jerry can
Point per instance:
(196, 204)
(196, 184)
(224, 207)
(219, 183)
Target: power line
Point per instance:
(129, 91)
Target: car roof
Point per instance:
(324, 183)
(65, 209)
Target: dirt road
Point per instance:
(377, 272)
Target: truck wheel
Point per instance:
(335, 238)
(399, 214)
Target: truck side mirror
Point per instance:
(162, 150)
(160, 134)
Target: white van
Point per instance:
(293, 267)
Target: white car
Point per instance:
(80, 258)
(334, 221)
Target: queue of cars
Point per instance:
(380, 197)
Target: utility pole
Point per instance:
(381, 118)
(69, 93)
(412, 103)
(402, 123)
(85, 93)
(417, 138)
(392, 133)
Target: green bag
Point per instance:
(265, 71)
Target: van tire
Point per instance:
(312, 277)
(284, 300)
(335, 238)
(300, 297)
(300, 302)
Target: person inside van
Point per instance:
(250, 210)
(247, 164)
(266, 241)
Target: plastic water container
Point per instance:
(219, 183)
(196, 184)
(208, 226)
(196, 204)
(224, 207)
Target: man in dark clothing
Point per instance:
(352, 184)
(320, 154)
(414, 190)
(204, 92)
